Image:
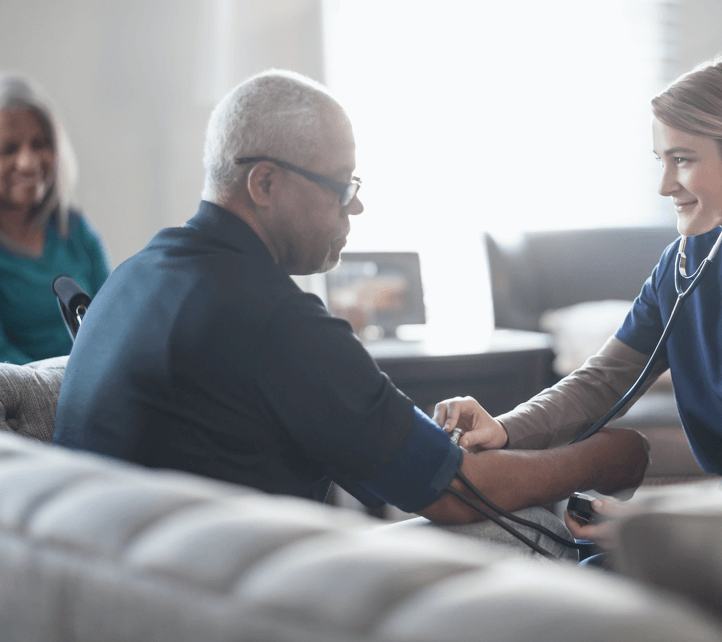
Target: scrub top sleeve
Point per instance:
(643, 325)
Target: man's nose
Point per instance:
(355, 207)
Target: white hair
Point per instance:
(275, 113)
(20, 92)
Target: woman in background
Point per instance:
(687, 139)
(41, 235)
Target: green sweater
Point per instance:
(31, 326)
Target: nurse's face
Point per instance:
(691, 177)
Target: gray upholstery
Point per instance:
(29, 396)
(676, 545)
(682, 553)
(92, 549)
(538, 271)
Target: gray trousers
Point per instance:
(491, 532)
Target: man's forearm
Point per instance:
(514, 479)
(559, 414)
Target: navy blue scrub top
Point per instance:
(694, 347)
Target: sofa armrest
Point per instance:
(29, 397)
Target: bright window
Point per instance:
(493, 115)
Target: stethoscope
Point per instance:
(680, 273)
(496, 512)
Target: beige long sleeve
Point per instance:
(559, 414)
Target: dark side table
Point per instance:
(500, 371)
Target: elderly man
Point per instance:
(201, 354)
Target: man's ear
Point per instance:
(259, 181)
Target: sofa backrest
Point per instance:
(537, 271)
(92, 549)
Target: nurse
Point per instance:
(687, 140)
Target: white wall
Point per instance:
(135, 81)
(698, 35)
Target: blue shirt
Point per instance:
(201, 354)
(694, 348)
(31, 326)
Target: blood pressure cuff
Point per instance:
(418, 476)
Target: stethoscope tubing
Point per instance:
(682, 295)
(680, 264)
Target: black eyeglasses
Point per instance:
(346, 191)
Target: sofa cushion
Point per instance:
(676, 545)
(93, 549)
(680, 553)
(29, 397)
(579, 331)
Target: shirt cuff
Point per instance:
(422, 471)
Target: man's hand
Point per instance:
(481, 430)
(604, 533)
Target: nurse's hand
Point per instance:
(481, 430)
(604, 533)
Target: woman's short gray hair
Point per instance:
(20, 92)
(693, 102)
(274, 113)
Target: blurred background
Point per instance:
(469, 115)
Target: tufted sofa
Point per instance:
(93, 549)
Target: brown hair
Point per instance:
(693, 102)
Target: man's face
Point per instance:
(309, 224)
